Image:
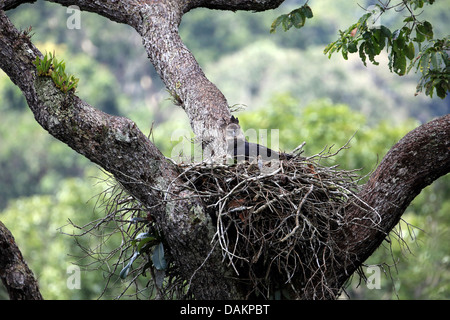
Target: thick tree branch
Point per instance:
(117, 145)
(14, 272)
(418, 159)
(11, 4)
(157, 22)
(205, 105)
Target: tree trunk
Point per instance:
(118, 146)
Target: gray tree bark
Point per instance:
(15, 274)
(118, 146)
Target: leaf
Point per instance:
(399, 65)
(399, 44)
(408, 19)
(286, 23)
(428, 28)
(369, 48)
(158, 257)
(441, 90)
(159, 278)
(362, 55)
(276, 23)
(429, 89)
(298, 18)
(345, 52)
(434, 60)
(410, 51)
(386, 32)
(308, 12)
(330, 48)
(124, 272)
(352, 48)
(418, 4)
(142, 246)
(425, 29)
(420, 37)
(143, 235)
(425, 62)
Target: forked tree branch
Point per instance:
(85, 129)
(118, 146)
(418, 159)
(157, 22)
(204, 104)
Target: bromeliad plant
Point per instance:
(49, 66)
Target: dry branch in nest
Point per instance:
(276, 223)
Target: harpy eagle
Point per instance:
(240, 149)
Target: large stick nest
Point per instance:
(275, 223)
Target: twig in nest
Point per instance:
(297, 214)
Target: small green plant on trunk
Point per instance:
(49, 66)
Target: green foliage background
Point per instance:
(282, 81)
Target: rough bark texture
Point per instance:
(418, 159)
(183, 77)
(17, 278)
(117, 145)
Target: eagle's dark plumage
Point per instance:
(240, 149)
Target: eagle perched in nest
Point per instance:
(242, 150)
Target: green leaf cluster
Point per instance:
(296, 18)
(434, 63)
(369, 41)
(49, 66)
(401, 44)
(419, 3)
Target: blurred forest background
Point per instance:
(277, 81)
